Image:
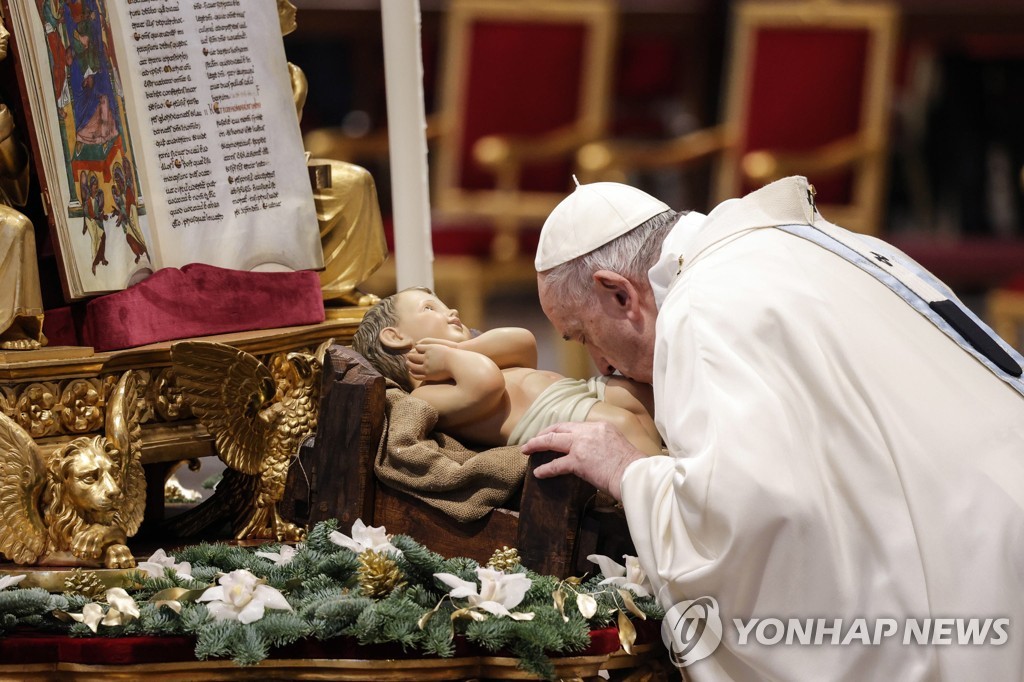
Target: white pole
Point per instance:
(407, 143)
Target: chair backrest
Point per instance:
(521, 69)
(809, 84)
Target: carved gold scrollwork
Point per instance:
(166, 398)
(8, 401)
(37, 408)
(82, 403)
(145, 405)
(79, 406)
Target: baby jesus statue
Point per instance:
(487, 388)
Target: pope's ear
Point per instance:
(394, 340)
(614, 288)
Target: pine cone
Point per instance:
(379, 575)
(85, 583)
(504, 559)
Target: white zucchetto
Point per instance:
(590, 217)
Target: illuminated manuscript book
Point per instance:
(164, 133)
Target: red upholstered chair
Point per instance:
(807, 92)
(524, 83)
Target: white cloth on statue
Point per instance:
(566, 400)
(834, 456)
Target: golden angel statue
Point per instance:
(79, 506)
(258, 419)
(347, 208)
(21, 302)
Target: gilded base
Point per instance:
(53, 579)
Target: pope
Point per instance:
(846, 439)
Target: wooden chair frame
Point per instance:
(1006, 314)
(866, 151)
(506, 205)
(505, 155)
(869, 148)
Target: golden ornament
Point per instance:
(379, 575)
(85, 583)
(504, 559)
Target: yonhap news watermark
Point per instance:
(844, 632)
(693, 629)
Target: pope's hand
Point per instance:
(595, 451)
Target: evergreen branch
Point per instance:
(330, 588)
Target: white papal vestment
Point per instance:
(833, 455)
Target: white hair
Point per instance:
(630, 255)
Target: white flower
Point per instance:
(91, 615)
(363, 538)
(631, 576)
(10, 581)
(243, 597)
(154, 566)
(499, 591)
(123, 603)
(283, 557)
(123, 609)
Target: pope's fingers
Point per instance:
(556, 467)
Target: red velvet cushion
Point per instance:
(29, 647)
(502, 57)
(62, 326)
(603, 641)
(34, 647)
(200, 300)
(807, 90)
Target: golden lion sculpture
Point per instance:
(79, 506)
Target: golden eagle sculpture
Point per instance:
(79, 505)
(258, 419)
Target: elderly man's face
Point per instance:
(616, 340)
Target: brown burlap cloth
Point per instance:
(436, 468)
